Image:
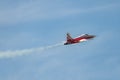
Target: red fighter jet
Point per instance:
(82, 38)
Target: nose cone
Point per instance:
(91, 36)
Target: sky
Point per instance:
(32, 33)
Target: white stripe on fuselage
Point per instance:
(82, 40)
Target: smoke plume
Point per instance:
(15, 53)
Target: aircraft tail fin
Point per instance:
(69, 37)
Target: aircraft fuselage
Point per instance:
(82, 38)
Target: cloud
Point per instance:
(42, 10)
(28, 11)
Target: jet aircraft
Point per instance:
(82, 38)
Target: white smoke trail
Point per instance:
(11, 54)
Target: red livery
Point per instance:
(79, 39)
